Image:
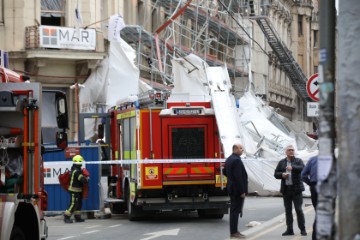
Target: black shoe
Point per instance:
(67, 219)
(303, 233)
(79, 219)
(288, 233)
(237, 235)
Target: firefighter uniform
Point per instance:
(77, 181)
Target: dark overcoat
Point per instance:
(237, 178)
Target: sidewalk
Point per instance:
(272, 229)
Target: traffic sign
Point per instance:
(312, 87)
(312, 109)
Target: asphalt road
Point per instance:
(168, 225)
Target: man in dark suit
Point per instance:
(289, 171)
(237, 187)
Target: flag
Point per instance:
(4, 59)
(116, 23)
(78, 21)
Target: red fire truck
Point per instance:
(22, 195)
(181, 141)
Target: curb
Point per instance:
(272, 222)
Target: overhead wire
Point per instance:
(49, 76)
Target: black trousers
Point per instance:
(290, 197)
(75, 204)
(314, 200)
(236, 208)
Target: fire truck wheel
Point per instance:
(17, 234)
(210, 213)
(134, 212)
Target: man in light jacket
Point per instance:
(289, 171)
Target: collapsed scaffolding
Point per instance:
(200, 27)
(210, 33)
(216, 31)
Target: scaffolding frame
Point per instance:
(203, 28)
(259, 11)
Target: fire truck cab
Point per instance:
(174, 147)
(22, 194)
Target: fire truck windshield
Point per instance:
(188, 142)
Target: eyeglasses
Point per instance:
(291, 150)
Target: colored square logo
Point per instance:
(49, 36)
(47, 172)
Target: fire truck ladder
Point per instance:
(291, 67)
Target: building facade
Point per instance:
(49, 42)
(40, 37)
(296, 24)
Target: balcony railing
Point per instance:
(32, 37)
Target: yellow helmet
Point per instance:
(78, 159)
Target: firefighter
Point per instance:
(78, 178)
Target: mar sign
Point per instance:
(312, 87)
(67, 38)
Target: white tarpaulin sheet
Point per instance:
(252, 124)
(190, 82)
(117, 77)
(123, 74)
(116, 23)
(224, 104)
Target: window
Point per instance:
(252, 7)
(133, 138)
(300, 25)
(128, 142)
(128, 138)
(154, 20)
(53, 12)
(48, 115)
(316, 38)
(301, 60)
(188, 142)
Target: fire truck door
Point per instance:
(188, 139)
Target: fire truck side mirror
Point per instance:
(61, 140)
(61, 110)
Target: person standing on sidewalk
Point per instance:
(78, 178)
(309, 176)
(289, 171)
(237, 187)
